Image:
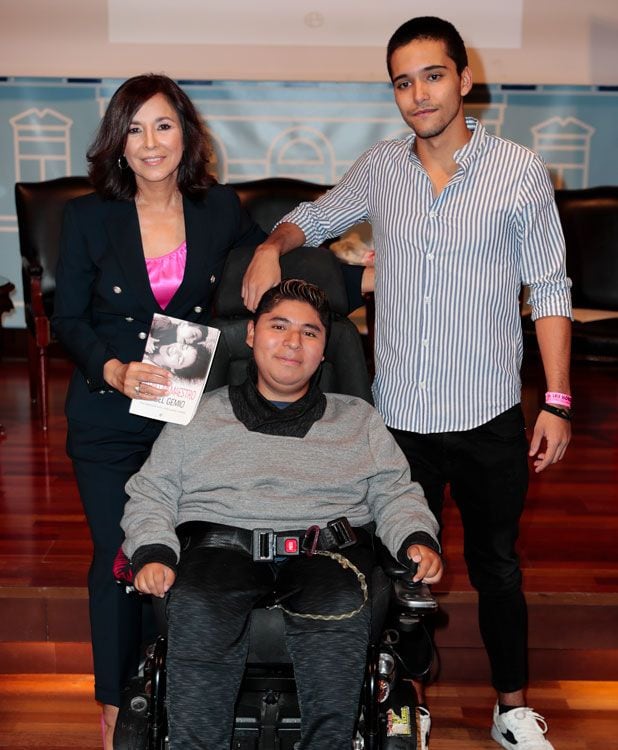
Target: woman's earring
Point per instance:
(122, 163)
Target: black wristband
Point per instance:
(557, 411)
(149, 553)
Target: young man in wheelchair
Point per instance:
(273, 493)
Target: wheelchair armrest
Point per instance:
(409, 594)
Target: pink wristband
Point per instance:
(562, 399)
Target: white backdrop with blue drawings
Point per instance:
(312, 131)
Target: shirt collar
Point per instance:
(464, 155)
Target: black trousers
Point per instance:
(103, 461)
(487, 469)
(208, 614)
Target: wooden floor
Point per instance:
(56, 712)
(569, 545)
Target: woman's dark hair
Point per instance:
(429, 27)
(195, 369)
(105, 155)
(298, 291)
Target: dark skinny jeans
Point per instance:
(487, 469)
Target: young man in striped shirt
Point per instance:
(461, 219)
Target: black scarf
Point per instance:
(259, 415)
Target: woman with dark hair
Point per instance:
(153, 237)
(107, 157)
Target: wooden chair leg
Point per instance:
(33, 369)
(43, 394)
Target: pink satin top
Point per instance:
(166, 273)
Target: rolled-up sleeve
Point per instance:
(338, 209)
(543, 255)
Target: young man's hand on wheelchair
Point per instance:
(154, 578)
(429, 563)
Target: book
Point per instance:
(186, 350)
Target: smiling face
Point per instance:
(177, 356)
(428, 90)
(154, 143)
(288, 345)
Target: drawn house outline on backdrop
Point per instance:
(564, 143)
(41, 136)
(302, 152)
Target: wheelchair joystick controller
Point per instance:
(414, 595)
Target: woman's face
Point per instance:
(176, 356)
(154, 145)
(188, 334)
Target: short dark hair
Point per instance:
(298, 291)
(108, 178)
(429, 27)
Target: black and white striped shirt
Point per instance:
(449, 270)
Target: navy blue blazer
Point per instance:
(104, 303)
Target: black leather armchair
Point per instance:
(269, 199)
(40, 206)
(343, 369)
(589, 219)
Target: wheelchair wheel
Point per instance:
(142, 717)
(400, 721)
(133, 724)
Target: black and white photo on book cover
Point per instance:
(186, 350)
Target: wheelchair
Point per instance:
(267, 715)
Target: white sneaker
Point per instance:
(520, 729)
(423, 728)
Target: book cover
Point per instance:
(186, 350)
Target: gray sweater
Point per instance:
(216, 470)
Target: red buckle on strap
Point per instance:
(290, 545)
